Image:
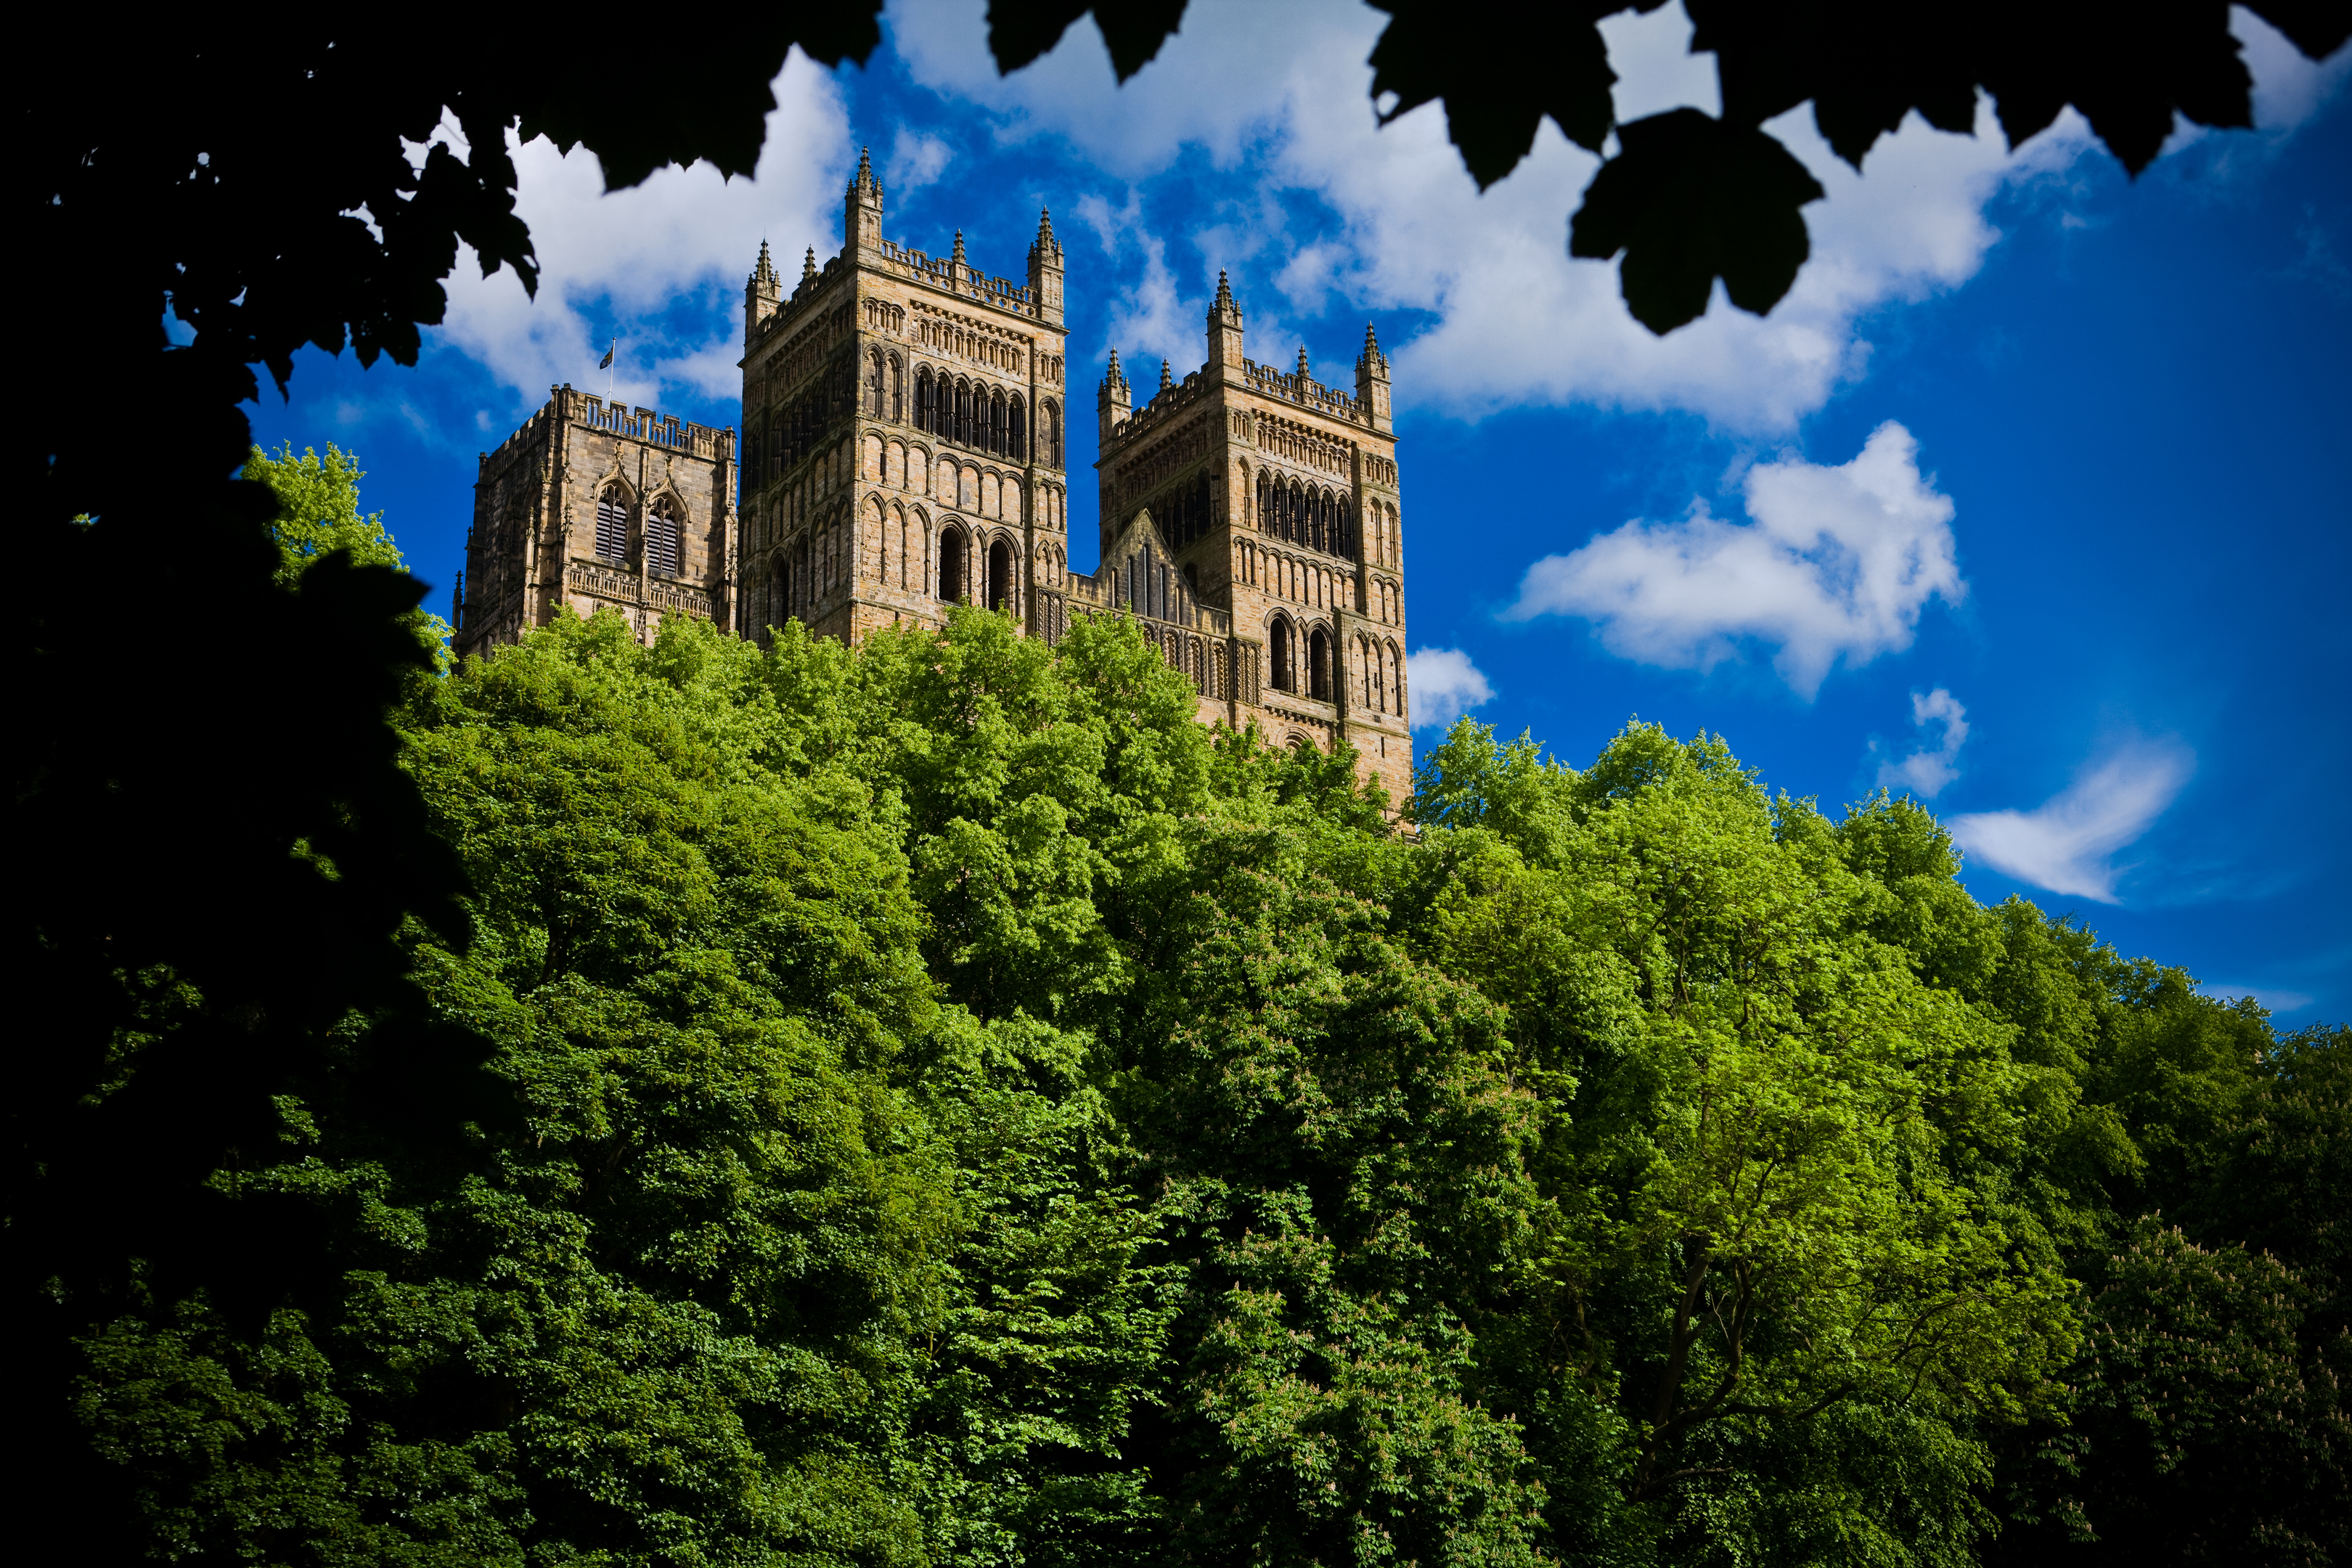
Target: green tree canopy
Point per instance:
(936, 1103)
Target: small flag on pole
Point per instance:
(606, 363)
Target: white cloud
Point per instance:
(684, 233)
(1837, 563)
(1151, 321)
(1925, 772)
(1279, 94)
(2270, 998)
(1443, 685)
(2287, 88)
(917, 159)
(2066, 843)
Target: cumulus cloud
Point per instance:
(2065, 843)
(1443, 685)
(1279, 95)
(1925, 772)
(917, 159)
(1836, 563)
(631, 257)
(1151, 321)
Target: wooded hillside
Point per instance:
(937, 1103)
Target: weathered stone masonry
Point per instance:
(593, 505)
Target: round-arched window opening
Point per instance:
(1000, 577)
(951, 566)
(1318, 666)
(1285, 679)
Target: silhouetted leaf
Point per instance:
(1021, 30)
(1692, 199)
(1555, 63)
(1862, 66)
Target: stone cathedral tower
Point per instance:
(905, 426)
(904, 430)
(1270, 503)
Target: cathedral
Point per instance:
(905, 448)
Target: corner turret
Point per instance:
(861, 222)
(1225, 334)
(1114, 403)
(1372, 383)
(1045, 269)
(763, 292)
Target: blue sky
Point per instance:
(2032, 498)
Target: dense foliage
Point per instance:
(941, 1104)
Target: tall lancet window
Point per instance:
(664, 539)
(611, 526)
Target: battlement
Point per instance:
(1165, 406)
(1305, 391)
(813, 284)
(638, 423)
(951, 275)
(1171, 401)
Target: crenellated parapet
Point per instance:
(951, 275)
(1302, 388)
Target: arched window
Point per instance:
(950, 565)
(1016, 426)
(664, 539)
(611, 526)
(1000, 577)
(873, 384)
(898, 390)
(1319, 665)
(923, 398)
(1050, 432)
(997, 433)
(1284, 679)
